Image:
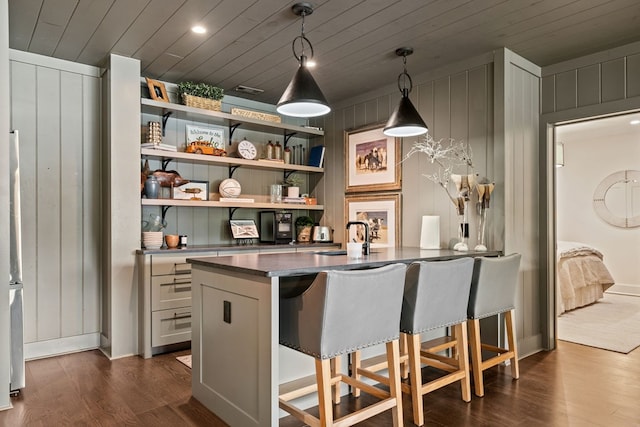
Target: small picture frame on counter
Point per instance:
(244, 229)
(192, 190)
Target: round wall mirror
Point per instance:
(617, 199)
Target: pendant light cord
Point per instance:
(302, 58)
(404, 76)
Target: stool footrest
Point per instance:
(369, 389)
(301, 387)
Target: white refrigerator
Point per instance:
(17, 377)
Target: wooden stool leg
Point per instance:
(509, 319)
(415, 374)
(404, 366)
(460, 331)
(335, 371)
(476, 356)
(393, 363)
(323, 379)
(356, 361)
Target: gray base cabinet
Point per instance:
(164, 297)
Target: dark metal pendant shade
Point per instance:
(405, 120)
(303, 97)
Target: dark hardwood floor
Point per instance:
(573, 386)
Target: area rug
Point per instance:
(612, 323)
(186, 360)
(623, 289)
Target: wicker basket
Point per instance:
(197, 102)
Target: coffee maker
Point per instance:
(276, 227)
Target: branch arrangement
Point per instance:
(448, 157)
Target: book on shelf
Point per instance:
(237, 199)
(165, 147)
(271, 160)
(316, 156)
(300, 200)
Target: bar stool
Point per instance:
(341, 312)
(436, 295)
(493, 290)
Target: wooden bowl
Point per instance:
(172, 240)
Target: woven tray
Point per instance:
(197, 102)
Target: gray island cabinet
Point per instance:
(238, 365)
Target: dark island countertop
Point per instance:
(256, 247)
(303, 263)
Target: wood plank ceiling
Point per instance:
(248, 42)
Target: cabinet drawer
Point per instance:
(170, 326)
(171, 291)
(161, 265)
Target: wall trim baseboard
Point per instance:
(56, 347)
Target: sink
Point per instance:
(331, 253)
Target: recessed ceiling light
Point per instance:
(635, 122)
(198, 29)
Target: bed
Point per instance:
(582, 275)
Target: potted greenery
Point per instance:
(293, 183)
(304, 224)
(201, 95)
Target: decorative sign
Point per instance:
(256, 115)
(215, 135)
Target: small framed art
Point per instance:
(372, 160)
(157, 91)
(243, 229)
(192, 190)
(381, 212)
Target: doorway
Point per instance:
(586, 152)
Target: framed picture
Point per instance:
(192, 190)
(157, 91)
(382, 212)
(243, 229)
(213, 136)
(372, 160)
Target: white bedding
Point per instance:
(582, 275)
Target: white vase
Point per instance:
(293, 192)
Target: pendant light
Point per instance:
(405, 119)
(303, 97)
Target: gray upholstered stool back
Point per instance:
(343, 311)
(493, 287)
(436, 294)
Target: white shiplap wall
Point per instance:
(55, 105)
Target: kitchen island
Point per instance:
(238, 365)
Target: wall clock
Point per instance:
(247, 150)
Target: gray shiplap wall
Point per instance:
(606, 77)
(56, 107)
(462, 102)
(457, 105)
(600, 84)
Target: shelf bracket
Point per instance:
(287, 137)
(231, 212)
(165, 162)
(287, 174)
(165, 117)
(232, 170)
(164, 211)
(232, 129)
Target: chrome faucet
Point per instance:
(365, 246)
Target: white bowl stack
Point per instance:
(152, 239)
